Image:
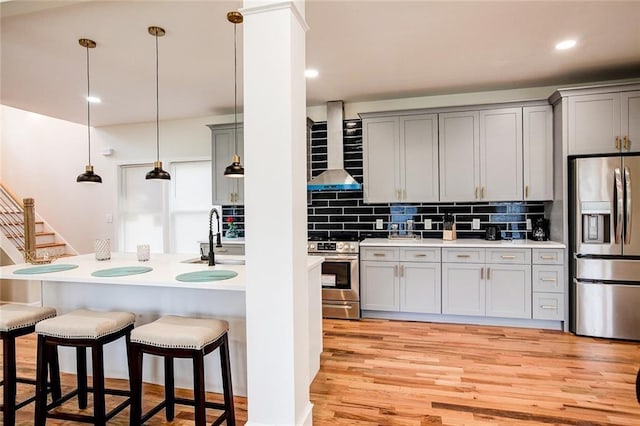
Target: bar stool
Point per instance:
(180, 337)
(16, 321)
(81, 329)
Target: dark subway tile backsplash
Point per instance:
(345, 212)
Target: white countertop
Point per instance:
(227, 241)
(464, 242)
(165, 268)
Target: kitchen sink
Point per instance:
(220, 260)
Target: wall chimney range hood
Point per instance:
(335, 178)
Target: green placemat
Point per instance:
(121, 271)
(204, 276)
(45, 269)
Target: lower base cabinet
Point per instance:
(508, 291)
(463, 289)
(380, 286)
(420, 287)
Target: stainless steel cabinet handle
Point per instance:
(482, 273)
(401, 271)
(476, 191)
(549, 280)
(421, 255)
(626, 143)
(617, 142)
(526, 191)
(488, 273)
(619, 205)
(462, 255)
(379, 254)
(504, 256)
(547, 307)
(395, 270)
(482, 193)
(404, 194)
(547, 257)
(399, 194)
(627, 208)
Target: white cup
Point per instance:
(103, 249)
(143, 251)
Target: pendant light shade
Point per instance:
(157, 172)
(88, 176)
(235, 170)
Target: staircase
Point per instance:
(12, 232)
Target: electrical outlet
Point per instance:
(529, 227)
(427, 224)
(475, 224)
(379, 224)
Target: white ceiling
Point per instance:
(364, 50)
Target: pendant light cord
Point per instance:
(235, 89)
(157, 106)
(88, 108)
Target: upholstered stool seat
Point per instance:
(181, 337)
(81, 329)
(16, 321)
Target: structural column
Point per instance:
(276, 212)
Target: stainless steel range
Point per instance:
(340, 276)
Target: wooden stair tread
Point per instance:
(47, 245)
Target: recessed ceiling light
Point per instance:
(565, 44)
(311, 73)
(94, 99)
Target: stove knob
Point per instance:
(340, 246)
(352, 247)
(311, 246)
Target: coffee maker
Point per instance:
(541, 230)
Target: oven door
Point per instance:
(340, 278)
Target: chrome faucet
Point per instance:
(212, 260)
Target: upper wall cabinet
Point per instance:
(604, 123)
(481, 155)
(537, 143)
(226, 190)
(401, 158)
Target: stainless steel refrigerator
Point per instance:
(605, 234)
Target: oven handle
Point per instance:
(326, 305)
(344, 258)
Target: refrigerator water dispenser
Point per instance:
(596, 217)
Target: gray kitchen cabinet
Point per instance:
(401, 280)
(459, 142)
(380, 286)
(400, 158)
(225, 190)
(499, 287)
(602, 123)
(481, 155)
(463, 289)
(537, 145)
(548, 284)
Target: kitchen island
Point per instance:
(157, 292)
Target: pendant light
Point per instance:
(88, 176)
(157, 172)
(235, 170)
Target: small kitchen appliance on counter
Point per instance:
(340, 275)
(492, 233)
(449, 227)
(541, 230)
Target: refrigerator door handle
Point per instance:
(627, 205)
(618, 205)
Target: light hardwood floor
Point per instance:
(377, 372)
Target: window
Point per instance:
(170, 216)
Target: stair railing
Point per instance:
(12, 217)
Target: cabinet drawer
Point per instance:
(548, 278)
(378, 253)
(463, 255)
(548, 256)
(420, 254)
(518, 256)
(548, 306)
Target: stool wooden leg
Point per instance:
(40, 416)
(198, 388)
(54, 372)
(135, 383)
(81, 376)
(225, 366)
(9, 376)
(99, 409)
(169, 388)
